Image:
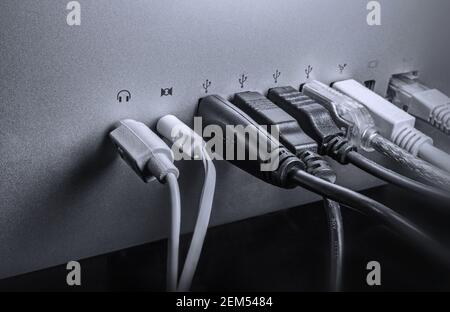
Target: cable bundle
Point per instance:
(184, 138)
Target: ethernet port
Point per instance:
(370, 84)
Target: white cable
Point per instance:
(435, 156)
(394, 123)
(419, 100)
(152, 159)
(190, 143)
(174, 237)
(361, 130)
(201, 225)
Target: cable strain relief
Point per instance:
(338, 148)
(366, 139)
(160, 166)
(287, 163)
(318, 166)
(411, 139)
(440, 118)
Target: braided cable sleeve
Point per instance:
(418, 167)
(394, 178)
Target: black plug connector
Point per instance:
(290, 172)
(263, 111)
(217, 111)
(298, 142)
(312, 117)
(315, 120)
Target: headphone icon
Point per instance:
(122, 93)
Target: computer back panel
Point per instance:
(64, 193)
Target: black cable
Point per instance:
(318, 123)
(372, 208)
(431, 175)
(394, 178)
(290, 173)
(266, 113)
(319, 167)
(336, 230)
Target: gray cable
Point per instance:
(418, 167)
(336, 226)
(201, 225)
(174, 238)
(435, 156)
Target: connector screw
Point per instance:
(242, 80)
(276, 75)
(206, 85)
(308, 71)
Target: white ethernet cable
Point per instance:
(186, 140)
(422, 102)
(395, 124)
(152, 159)
(361, 131)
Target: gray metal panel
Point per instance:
(65, 195)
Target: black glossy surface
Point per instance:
(285, 251)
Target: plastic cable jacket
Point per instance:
(319, 167)
(336, 226)
(201, 225)
(440, 118)
(174, 239)
(420, 168)
(394, 178)
(435, 156)
(375, 209)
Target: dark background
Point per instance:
(283, 251)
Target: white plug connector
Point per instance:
(425, 103)
(392, 122)
(187, 141)
(151, 158)
(395, 124)
(143, 150)
(356, 118)
(363, 132)
(182, 137)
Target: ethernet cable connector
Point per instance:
(347, 113)
(427, 104)
(395, 124)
